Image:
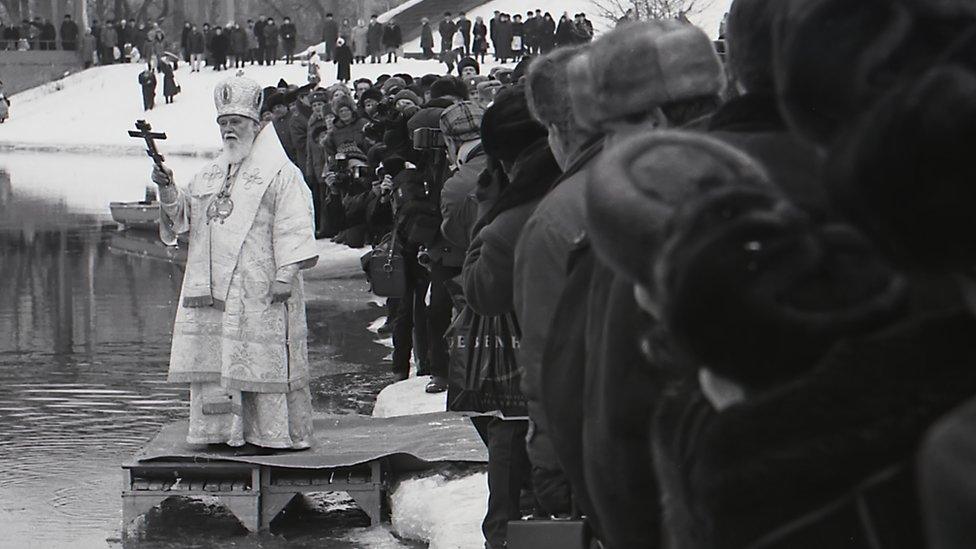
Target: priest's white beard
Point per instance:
(236, 150)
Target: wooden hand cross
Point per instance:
(144, 131)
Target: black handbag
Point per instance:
(385, 269)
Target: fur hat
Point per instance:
(636, 185)
(472, 83)
(342, 100)
(502, 74)
(508, 127)
(834, 58)
(391, 83)
(755, 292)
(638, 67)
(407, 94)
(468, 62)
(905, 175)
(448, 86)
(547, 87)
(462, 121)
(371, 93)
(239, 95)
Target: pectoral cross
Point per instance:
(144, 131)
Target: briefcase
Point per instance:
(547, 533)
(385, 270)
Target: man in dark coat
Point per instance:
(288, 34)
(185, 40)
(464, 26)
(427, 39)
(219, 46)
(374, 39)
(69, 34)
(270, 42)
(503, 38)
(147, 81)
(259, 35)
(492, 25)
(446, 29)
(330, 35)
(392, 40)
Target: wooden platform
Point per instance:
(353, 454)
(254, 493)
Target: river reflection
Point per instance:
(84, 345)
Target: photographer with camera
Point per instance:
(349, 189)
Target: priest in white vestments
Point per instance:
(240, 337)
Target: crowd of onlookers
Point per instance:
(509, 37)
(39, 34)
(734, 300)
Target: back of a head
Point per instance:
(448, 86)
(547, 90)
(749, 44)
(835, 58)
(904, 172)
(508, 127)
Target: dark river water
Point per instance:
(84, 342)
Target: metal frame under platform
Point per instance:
(254, 493)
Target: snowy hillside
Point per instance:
(91, 111)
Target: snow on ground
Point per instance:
(407, 397)
(92, 111)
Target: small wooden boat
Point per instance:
(136, 215)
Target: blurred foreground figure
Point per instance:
(240, 333)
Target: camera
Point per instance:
(386, 109)
(348, 178)
(427, 139)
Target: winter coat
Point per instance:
(185, 37)
(198, 43)
(330, 31)
(489, 264)
(298, 130)
(148, 82)
(547, 33)
(345, 133)
(541, 259)
(503, 39)
(345, 31)
(459, 209)
(480, 44)
(360, 41)
(250, 39)
(314, 154)
(238, 41)
(270, 36)
(374, 38)
(446, 29)
(282, 126)
(464, 27)
(791, 458)
(344, 60)
(258, 30)
(392, 36)
(565, 33)
(287, 33)
(219, 45)
(426, 37)
(69, 32)
(169, 80)
(110, 38)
